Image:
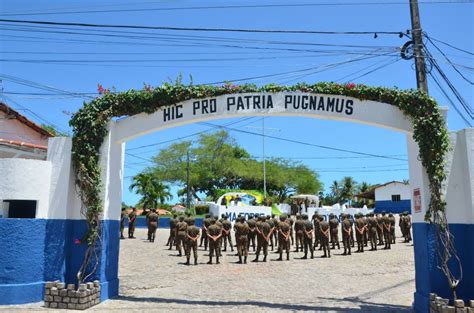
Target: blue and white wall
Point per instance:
(459, 191)
(383, 198)
(42, 249)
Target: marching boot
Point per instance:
(217, 260)
(245, 260)
(187, 262)
(288, 256)
(210, 260)
(264, 258)
(240, 260)
(195, 261)
(256, 258)
(281, 257)
(312, 255)
(305, 256)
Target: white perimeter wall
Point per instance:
(25, 179)
(386, 192)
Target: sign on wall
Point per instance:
(417, 200)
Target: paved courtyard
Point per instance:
(154, 279)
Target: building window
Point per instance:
(19, 209)
(396, 198)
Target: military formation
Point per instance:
(265, 233)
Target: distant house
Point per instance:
(20, 137)
(392, 197)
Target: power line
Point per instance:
(304, 143)
(452, 46)
(233, 7)
(174, 28)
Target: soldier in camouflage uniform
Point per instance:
(392, 227)
(275, 224)
(181, 227)
(264, 232)
(192, 236)
(205, 225)
(132, 217)
(219, 224)
(172, 236)
(378, 218)
(252, 223)
(226, 235)
(351, 220)
(365, 219)
(291, 221)
(299, 232)
(214, 232)
(123, 216)
(317, 238)
(334, 226)
(360, 230)
(283, 238)
(152, 225)
(387, 232)
(373, 226)
(308, 229)
(241, 237)
(346, 234)
(272, 226)
(325, 230)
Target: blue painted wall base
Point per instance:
(37, 250)
(428, 277)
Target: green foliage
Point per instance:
(201, 209)
(53, 130)
(90, 128)
(217, 162)
(151, 189)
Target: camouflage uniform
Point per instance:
(299, 233)
(192, 236)
(263, 237)
(291, 221)
(387, 232)
(153, 219)
(272, 226)
(334, 226)
(226, 235)
(219, 224)
(132, 217)
(241, 237)
(373, 226)
(346, 234)
(308, 229)
(123, 216)
(205, 225)
(325, 231)
(317, 235)
(365, 219)
(392, 227)
(215, 231)
(378, 218)
(252, 233)
(181, 227)
(283, 237)
(172, 237)
(360, 230)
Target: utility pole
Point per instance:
(421, 81)
(188, 190)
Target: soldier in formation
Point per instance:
(214, 233)
(172, 236)
(346, 234)
(405, 226)
(242, 230)
(283, 238)
(387, 231)
(123, 217)
(334, 226)
(132, 217)
(181, 227)
(299, 232)
(192, 236)
(264, 231)
(252, 233)
(226, 236)
(152, 221)
(360, 231)
(308, 229)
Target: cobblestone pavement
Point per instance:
(154, 279)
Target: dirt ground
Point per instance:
(154, 279)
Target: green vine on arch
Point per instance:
(90, 127)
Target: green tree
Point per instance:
(151, 189)
(348, 188)
(217, 162)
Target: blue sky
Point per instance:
(76, 59)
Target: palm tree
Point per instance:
(348, 188)
(151, 189)
(336, 191)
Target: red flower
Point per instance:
(101, 89)
(350, 85)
